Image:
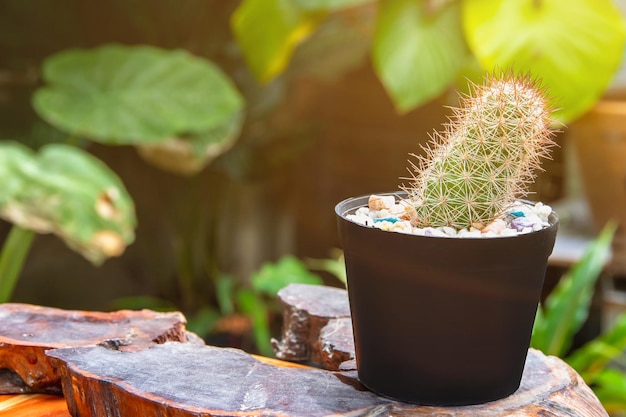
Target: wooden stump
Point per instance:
(27, 331)
(185, 380)
(322, 310)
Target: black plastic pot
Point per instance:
(442, 321)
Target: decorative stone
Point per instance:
(380, 202)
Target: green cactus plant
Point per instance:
(486, 155)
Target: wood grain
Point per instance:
(33, 405)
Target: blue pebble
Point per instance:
(517, 214)
(387, 219)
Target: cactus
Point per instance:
(485, 157)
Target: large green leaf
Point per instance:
(64, 190)
(268, 32)
(567, 307)
(340, 44)
(127, 95)
(573, 46)
(417, 53)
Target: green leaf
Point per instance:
(188, 155)
(611, 391)
(329, 5)
(14, 252)
(566, 308)
(417, 54)
(268, 31)
(593, 357)
(272, 277)
(255, 308)
(340, 44)
(66, 191)
(335, 267)
(224, 293)
(118, 94)
(573, 46)
(203, 321)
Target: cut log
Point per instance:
(307, 309)
(27, 331)
(184, 380)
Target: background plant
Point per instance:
(181, 113)
(422, 47)
(65, 191)
(601, 362)
(145, 96)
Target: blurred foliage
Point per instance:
(272, 277)
(118, 94)
(183, 96)
(66, 191)
(62, 190)
(416, 53)
(335, 266)
(247, 310)
(421, 47)
(602, 361)
(88, 84)
(566, 309)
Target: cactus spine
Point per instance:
(485, 157)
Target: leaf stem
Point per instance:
(12, 258)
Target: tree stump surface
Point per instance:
(181, 379)
(27, 331)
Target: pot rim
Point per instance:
(361, 201)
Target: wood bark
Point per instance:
(307, 309)
(27, 331)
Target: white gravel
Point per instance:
(388, 213)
